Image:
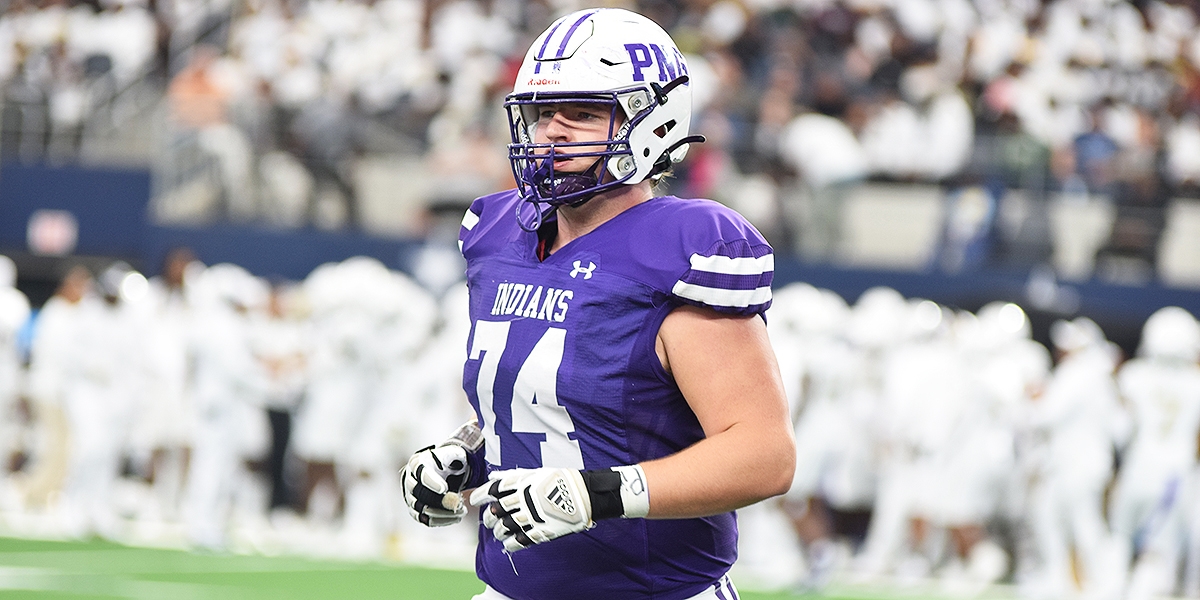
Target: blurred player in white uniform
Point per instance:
(230, 384)
(826, 372)
(1079, 418)
(99, 375)
(1149, 506)
(52, 376)
(164, 424)
(403, 314)
(1007, 369)
(1002, 366)
(343, 377)
(127, 316)
(800, 322)
(281, 340)
(836, 443)
(427, 393)
(793, 313)
(14, 313)
(916, 425)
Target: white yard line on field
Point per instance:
(54, 580)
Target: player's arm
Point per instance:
(727, 371)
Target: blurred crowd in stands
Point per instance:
(207, 408)
(273, 103)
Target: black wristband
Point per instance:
(604, 492)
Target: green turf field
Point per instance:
(45, 570)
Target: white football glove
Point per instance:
(532, 506)
(434, 478)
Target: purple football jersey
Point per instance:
(562, 372)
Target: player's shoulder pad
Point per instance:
(717, 259)
(489, 217)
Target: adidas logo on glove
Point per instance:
(561, 497)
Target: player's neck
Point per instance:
(577, 221)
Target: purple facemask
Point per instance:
(550, 186)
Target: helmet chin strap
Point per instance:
(534, 223)
(545, 188)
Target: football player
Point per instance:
(14, 313)
(230, 385)
(163, 426)
(1150, 503)
(627, 398)
(1079, 418)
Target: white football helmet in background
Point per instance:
(616, 59)
(1075, 335)
(1171, 333)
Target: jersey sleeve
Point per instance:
(730, 266)
(469, 222)
(488, 224)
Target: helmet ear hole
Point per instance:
(665, 128)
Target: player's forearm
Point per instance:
(726, 471)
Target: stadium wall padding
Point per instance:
(109, 205)
(276, 253)
(112, 208)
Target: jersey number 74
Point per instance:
(535, 407)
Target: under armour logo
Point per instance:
(561, 497)
(587, 272)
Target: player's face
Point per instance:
(575, 122)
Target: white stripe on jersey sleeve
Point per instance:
(733, 266)
(721, 296)
(470, 220)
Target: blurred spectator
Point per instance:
(829, 159)
(326, 136)
(1141, 189)
(1096, 154)
(199, 99)
(278, 103)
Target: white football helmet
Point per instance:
(1171, 333)
(1079, 334)
(613, 58)
(1003, 322)
(226, 285)
(877, 318)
